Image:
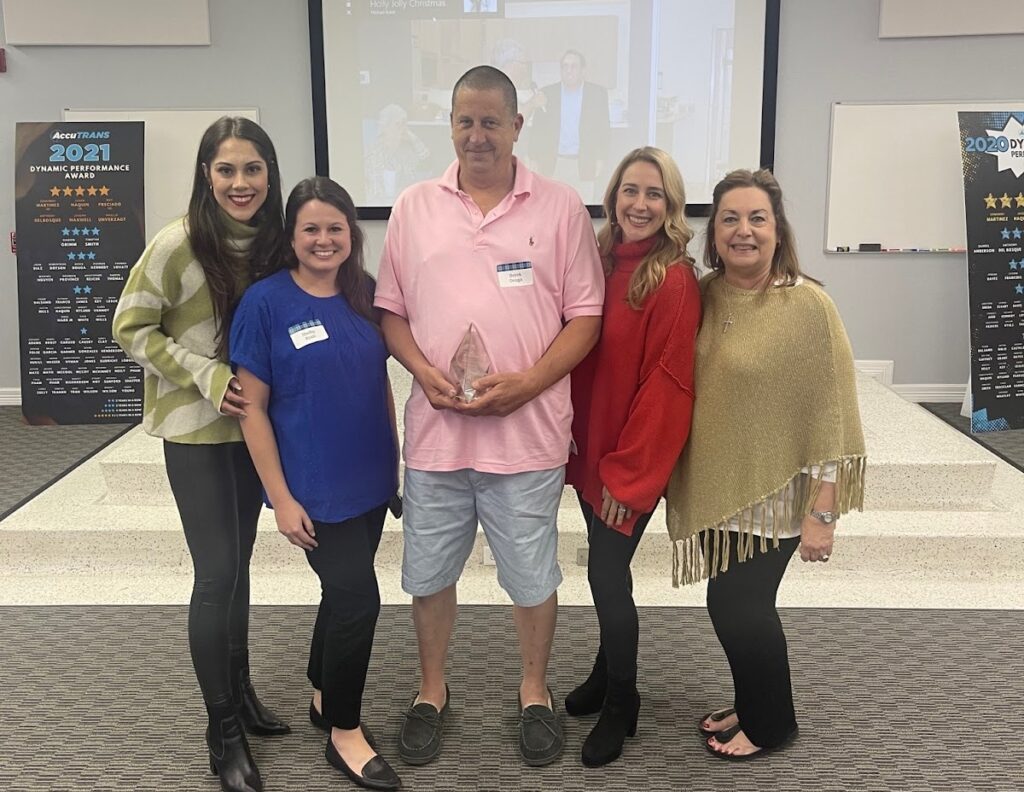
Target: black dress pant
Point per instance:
(339, 654)
(741, 603)
(611, 585)
(219, 497)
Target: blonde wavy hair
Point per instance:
(671, 239)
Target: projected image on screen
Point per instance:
(594, 79)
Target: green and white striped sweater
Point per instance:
(165, 322)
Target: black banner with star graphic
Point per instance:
(992, 148)
(80, 216)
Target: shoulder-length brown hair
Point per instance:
(353, 281)
(785, 268)
(208, 230)
(672, 238)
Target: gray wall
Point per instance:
(909, 309)
(259, 58)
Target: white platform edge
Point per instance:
(10, 397)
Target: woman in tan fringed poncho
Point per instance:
(775, 454)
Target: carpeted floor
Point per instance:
(1007, 445)
(103, 698)
(36, 456)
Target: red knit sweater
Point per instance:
(632, 396)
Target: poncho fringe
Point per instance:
(705, 553)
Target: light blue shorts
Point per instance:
(517, 511)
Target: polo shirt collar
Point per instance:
(523, 184)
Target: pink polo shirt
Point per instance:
(442, 270)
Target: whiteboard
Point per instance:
(172, 140)
(895, 176)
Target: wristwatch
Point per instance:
(826, 517)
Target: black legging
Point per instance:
(219, 497)
(611, 585)
(741, 603)
(339, 654)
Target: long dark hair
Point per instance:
(353, 281)
(208, 230)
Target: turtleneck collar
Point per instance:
(237, 229)
(628, 255)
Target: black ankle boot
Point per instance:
(589, 697)
(230, 758)
(255, 718)
(617, 721)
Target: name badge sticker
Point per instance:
(306, 333)
(516, 273)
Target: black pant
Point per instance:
(219, 498)
(741, 603)
(611, 585)
(339, 654)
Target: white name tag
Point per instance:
(306, 333)
(518, 273)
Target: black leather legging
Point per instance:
(219, 497)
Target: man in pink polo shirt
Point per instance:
(492, 246)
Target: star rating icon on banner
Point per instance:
(86, 231)
(92, 192)
(1019, 288)
(990, 201)
(1020, 200)
(1004, 201)
(1005, 233)
(1013, 264)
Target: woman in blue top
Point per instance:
(320, 428)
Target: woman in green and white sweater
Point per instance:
(173, 319)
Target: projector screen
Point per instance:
(594, 79)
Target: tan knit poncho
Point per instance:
(775, 393)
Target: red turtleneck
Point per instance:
(632, 396)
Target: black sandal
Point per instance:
(726, 735)
(717, 716)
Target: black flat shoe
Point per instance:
(324, 725)
(377, 773)
(255, 718)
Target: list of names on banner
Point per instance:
(80, 211)
(992, 148)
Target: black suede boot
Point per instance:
(230, 758)
(255, 718)
(589, 697)
(617, 721)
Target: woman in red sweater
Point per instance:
(632, 397)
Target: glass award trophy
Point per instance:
(469, 364)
